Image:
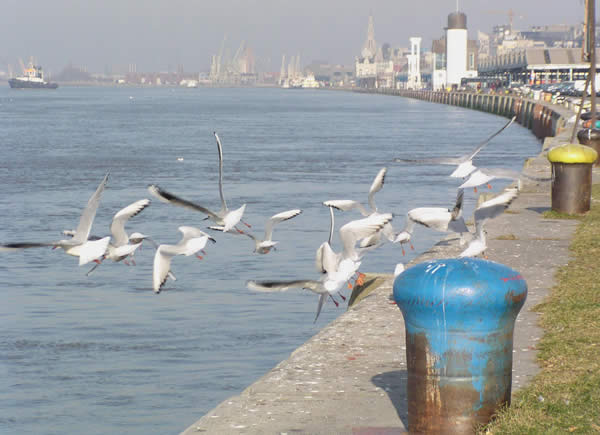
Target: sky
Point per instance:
(158, 35)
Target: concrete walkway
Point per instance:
(350, 378)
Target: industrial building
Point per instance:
(536, 65)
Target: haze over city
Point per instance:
(157, 35)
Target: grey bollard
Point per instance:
(591, 138)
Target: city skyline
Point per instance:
(157, 36)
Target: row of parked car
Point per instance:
(571, 89)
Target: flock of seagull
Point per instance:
(337, 269)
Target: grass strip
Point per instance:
(565, 396)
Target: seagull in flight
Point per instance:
(348, 204)
(193, 240)
(225, 218)
(264, 245)
(464, 164)
(487, 210)
(79, 245)
(123, 245)
(484, 175)
(339, 267)
(439, 218)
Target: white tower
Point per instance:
(414, 64)
(456, 48)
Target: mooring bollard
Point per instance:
(459, 316)
(591, 138)
(572, 177)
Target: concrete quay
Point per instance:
(350, 378)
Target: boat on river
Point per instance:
(33, 77)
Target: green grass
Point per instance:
(551, 214)
(565, 396)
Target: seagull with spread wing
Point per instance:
(339, 267)
(123, 245)
(485, 211)
(79, 245)
(464, 164)
(193, 240)
(225, 218)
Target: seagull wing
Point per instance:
(170, 198)
(346, 205)
(190, 233)
(89, 213)
(92, 250)
(279, 217)
(353, 231)
(322, 299)
(436, 218)
(376, 186)
(117, 227)
(25, 245)
(495, 206)
(489, 139)
(434, 161)
(457, 210)
(220, 150)
(162, 266)
(501, 173)
(280, 286)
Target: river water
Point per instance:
(104, 354)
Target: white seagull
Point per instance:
(122, 245)
(265, 245)
(484, 175)
(225, 218)
(193, 240)
(348, 204)
(340, 268)
(78, 245)
(487, 210)
(439, 218)
(464, 163)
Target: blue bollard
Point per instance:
(459, 316)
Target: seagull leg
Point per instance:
(126, 262)
(489, 186)
(337, 304)
(403, 251)
(199, 257)
(245, 223)
(343, 297)
(475, 189)
(93, 268)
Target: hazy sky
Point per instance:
(156, 34)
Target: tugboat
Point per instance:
(33, 77)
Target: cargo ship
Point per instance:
(33, 77)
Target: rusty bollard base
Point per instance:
(459, 316)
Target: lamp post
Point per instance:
(590, 52)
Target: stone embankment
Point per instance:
(350, 378)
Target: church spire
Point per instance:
(370, 47)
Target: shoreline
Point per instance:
(351, 376)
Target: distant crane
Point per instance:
(511, 15)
